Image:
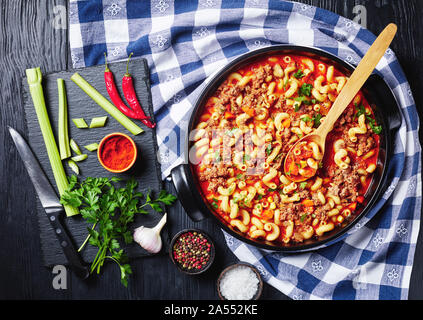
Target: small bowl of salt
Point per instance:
(240, 281)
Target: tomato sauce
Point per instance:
(303, 104)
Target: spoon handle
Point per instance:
(359, 77)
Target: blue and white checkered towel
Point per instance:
(185, 42)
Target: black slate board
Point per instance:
(146, 170)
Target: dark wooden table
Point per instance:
(28, 39)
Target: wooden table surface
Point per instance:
(28, 39)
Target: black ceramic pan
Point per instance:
(386, 112)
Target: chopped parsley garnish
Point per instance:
(215, 203)
(306, 119)
(259, 197)
(240, 176)
(299, 74)
(303, 185)
(238, 198)
(269, 149)
(372, 122)
(360, 110)
(305, 89)
(303, 217)
(303, 99)
(297, 107)
(317, 119)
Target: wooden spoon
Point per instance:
(352, 87)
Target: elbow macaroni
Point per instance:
(253, 193)
(361, 129)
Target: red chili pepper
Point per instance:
(114, 94)
(131, 97)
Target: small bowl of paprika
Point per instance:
(117, 152)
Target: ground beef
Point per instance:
(345, 184)
(280, 102)
(283, 107)
(260, 75)
(346, 118)
(365, 144)
(215, 183)
(216, 171)
(225, 93)
(248, 101)
(304, 194)
(289, 211)
(316, 201)
(321, 212)
(334, 189)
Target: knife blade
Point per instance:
(51, 204)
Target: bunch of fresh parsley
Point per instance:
(110, 210)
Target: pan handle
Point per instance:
(189, 201)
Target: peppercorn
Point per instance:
(191, 251)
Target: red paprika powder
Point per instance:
(117, 153)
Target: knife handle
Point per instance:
(76, 264)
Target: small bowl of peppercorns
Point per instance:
(192, 251)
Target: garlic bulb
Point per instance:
(149, 238)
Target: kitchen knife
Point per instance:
(50, 203)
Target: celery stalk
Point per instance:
(63, 129)
(98, 122)
(80, 123)
(75, 147)
(92, 147)
(34, 78)
(72, 164)
(79, 157)
(106, 104)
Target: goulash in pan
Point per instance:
(245, 132)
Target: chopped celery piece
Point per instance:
(98, 122)
(75, 147)
(79, 158)
(34, 78)
(63, 129)
(106, 104)
(92, 146)
(80, 123)
(72, 164)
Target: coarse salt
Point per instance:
(240, 283)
